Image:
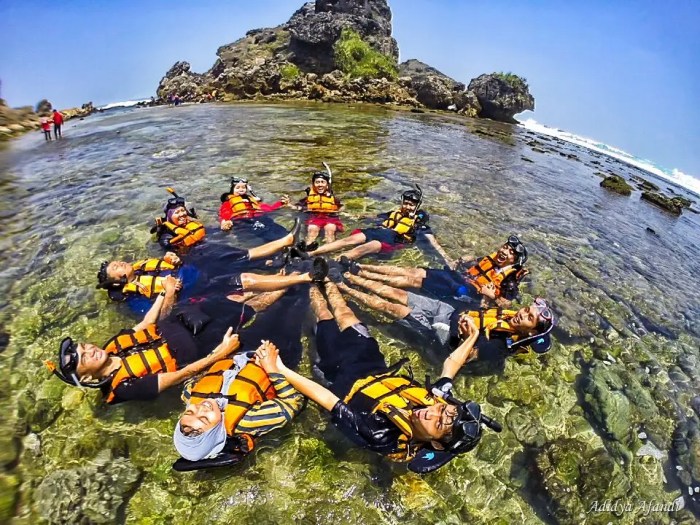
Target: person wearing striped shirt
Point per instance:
(236, 402)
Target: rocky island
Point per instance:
(341, 51)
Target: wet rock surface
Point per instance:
(617, 184)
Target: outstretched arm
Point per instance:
(163, 303)
(449, 261)
(308, 387)
(228, 344)
(464, 352)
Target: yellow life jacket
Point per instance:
(487, 271)
(187, 235)
(146, 352)
(317, 203)
(403, 225)
(250, 387)
(148, 275)
(243, 207)
(395, 396)
(495, 321)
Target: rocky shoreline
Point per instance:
(17, 121)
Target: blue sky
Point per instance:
(621, 72)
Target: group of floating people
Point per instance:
(227, 322)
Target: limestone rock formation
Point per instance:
(316, 27)
(307, 58)
(436, 90)
(502, 96)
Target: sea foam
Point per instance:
(676, 176)
(124, 104)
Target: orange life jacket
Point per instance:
(318, 203)
(187, 235)
(487, 271)
(250, 387)
(148, 275)
(403, 225)
(244, 207)
(143, 352)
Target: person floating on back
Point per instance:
(237, 401)
(179, 228)
(399, 228)
(322, 208)
(375, 405)
(495, 277)
(242, 208)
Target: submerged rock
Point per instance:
(89, 494)
(673, 205)
(617, 184)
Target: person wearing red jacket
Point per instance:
(46, 128)
(246, 210)
(57, 123)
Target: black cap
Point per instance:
(321, 175)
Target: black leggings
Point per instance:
(345, 357)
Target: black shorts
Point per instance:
(383, 235)
(446, 284)
(345, 357)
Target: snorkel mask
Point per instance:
(414, 195)
(466, 431)
(67, 367)
(542, 342)
(518, 249)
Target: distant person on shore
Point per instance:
(399, 228)
(322, 208)
(57, 123)
(46, 128)
(242, 208)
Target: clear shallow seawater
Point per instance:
(625, 364)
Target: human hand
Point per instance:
(171, 258)
(285, 200)
(226, 225)
(228, 344)
(171, 284)
(488, 290)
(267, 356)
(467, 327)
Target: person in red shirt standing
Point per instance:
(57, 123)
(46, 128)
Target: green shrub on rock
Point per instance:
(356, 58)
(290, 72)
(513, 80)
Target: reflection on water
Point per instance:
(622, 377)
